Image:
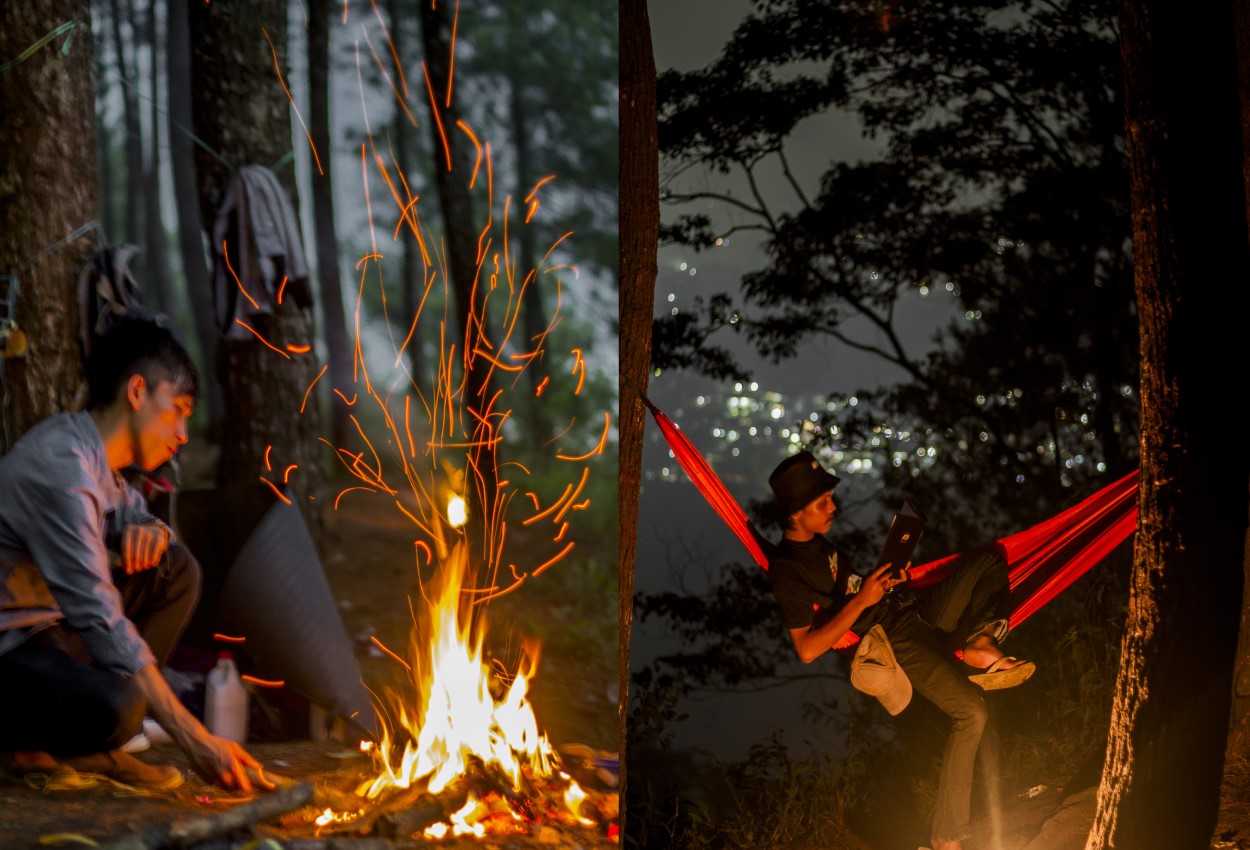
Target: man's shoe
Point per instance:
(125, 768)
(1000, 675)
(32, 761)
(137, 744)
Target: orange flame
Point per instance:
(457, 717)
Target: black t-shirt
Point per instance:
(810, 587)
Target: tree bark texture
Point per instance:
(640, 224)
(1236, 789)
(1169, 722)
(47, 191)
(338, 348)
(241, 113)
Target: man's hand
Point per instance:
(143, 546)
(216, 759)
(878, 584)
(811, 642)
(224, 762)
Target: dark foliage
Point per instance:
(999, 195)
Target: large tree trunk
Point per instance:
(160, 280)
(1169, 720)
(1236, 797)
(538, 416)
(241, 113)
(338, 349)
(190, 234)
(535, 317)
(639, 226)
(108, 222)
(132, 201)
(47, 191)
(410, 274)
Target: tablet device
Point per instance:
(900, 541)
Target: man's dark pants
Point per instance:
(56, 700)
(972, 598)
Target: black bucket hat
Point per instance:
(798, 480)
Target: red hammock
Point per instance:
(1041, 561)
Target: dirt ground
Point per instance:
(367, 557)
(34, 816)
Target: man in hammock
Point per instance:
(81, 641)
(906, 635)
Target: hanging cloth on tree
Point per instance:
(1042, 560)
(265, 262)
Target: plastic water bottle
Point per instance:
(225, 700)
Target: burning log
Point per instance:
(188, 833)
(426, 810)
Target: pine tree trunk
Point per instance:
(133, 199)
(1161, 779)
(410, 269)
(535, 318)
(241, 113)
(338, 347)
(639, 226)
(160, 280)
(108, 220)
(1236, 787)
(453, 168)
(47, 191)
(538, 416)
(190, 231)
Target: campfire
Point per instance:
(465, 756)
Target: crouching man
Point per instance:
(81, 641)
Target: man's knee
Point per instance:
(989, 561)
(971, 713)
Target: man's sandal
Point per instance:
(996, 676)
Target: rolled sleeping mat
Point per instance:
(276, 595)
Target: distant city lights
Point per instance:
(742, 413)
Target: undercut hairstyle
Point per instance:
(135, 346)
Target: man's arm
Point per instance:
(216, 759)
(811, 642)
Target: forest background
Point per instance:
(123, 121)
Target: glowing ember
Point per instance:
(464, 822)
(457, 512)
(330, 816)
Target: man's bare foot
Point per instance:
(982, 651)
(939, 844)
